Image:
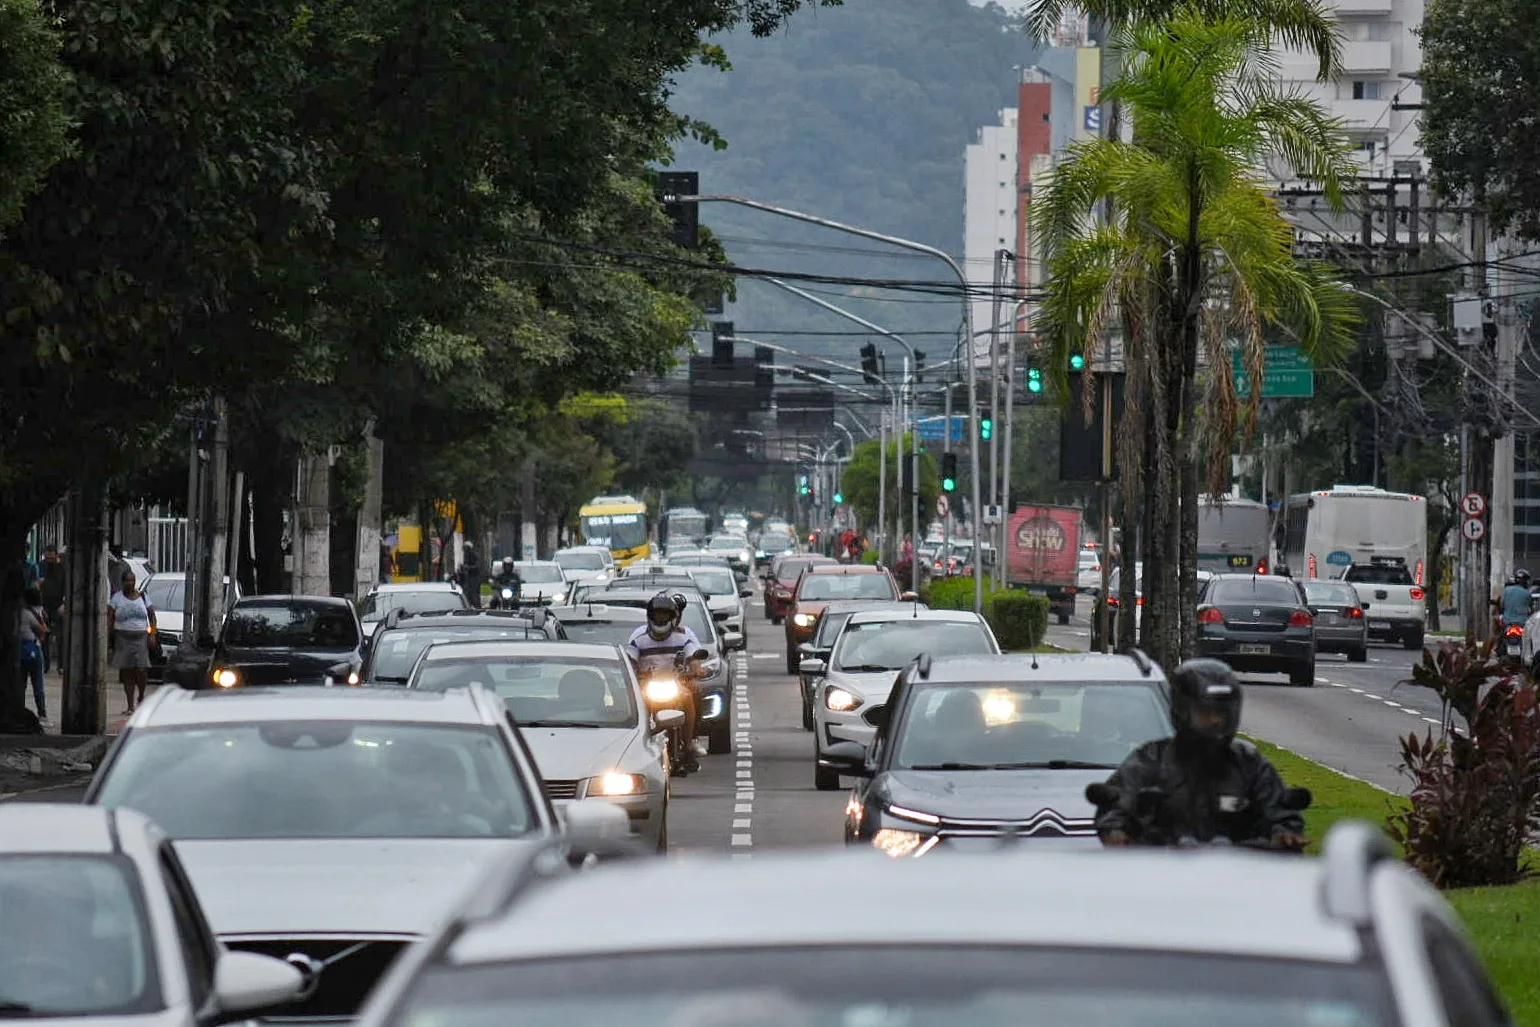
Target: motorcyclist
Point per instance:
(1516, 599)
(507, 577)
(654, 647)
(1214, 784)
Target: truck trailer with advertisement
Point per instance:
(1043, 554)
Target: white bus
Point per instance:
(1327, 531)
(1234, 536)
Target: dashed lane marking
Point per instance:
(741, 837)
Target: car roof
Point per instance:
(910, 611)
(462, 618)
(477, 649)
(55, 828)
(1080, 667)
(269, 598)
(846, 568)
(583, 549)
(535, 563)
(417, 586)
(180, 707)
(617, 595)
(873, 606)
(1147, 899)
(601, 611)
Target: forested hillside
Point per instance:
(859, 113)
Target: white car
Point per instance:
(1088, 572)
(541, 582)
(167, 593)
(724, 596)
(585, 564)
(412, 596)
(868, 655)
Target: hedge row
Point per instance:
(1019, 619)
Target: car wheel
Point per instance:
(777, 620)
(720, 741)
(807, 710)
(1303, 677)
(1063, 617)
(1359, 655)
(793, 658)
(826, 779)
(1412, 641)
(663, 833)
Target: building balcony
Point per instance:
(1366, 57)
(1351, 8)
(1362, 116)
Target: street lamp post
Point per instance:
(962, 281)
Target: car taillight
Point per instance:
(1139, 600)
(1352, 611)
(1311, 563)
(1262, 567)
(1112, 600)
(1515, 631)
(1300, 619)
(1210, 615)
(1417, 593)
(1417, 577)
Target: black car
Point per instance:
(403, 636)
(1259, 624)
(972, 748)
(287, 640)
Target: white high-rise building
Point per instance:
(1380, 48)
(989, 209)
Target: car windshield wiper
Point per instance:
(954, 766)
(14, 1008)
(1055, 765)
(868, 668)
(389, 677)
(558, 723)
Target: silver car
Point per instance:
(1132, 938)
(866, 660)
(101, 927)
(724, 596)
(581, 711)
(413, 597)
(585, 563)
(328, 825)
(1340, 624)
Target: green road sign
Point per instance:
(1286, 374)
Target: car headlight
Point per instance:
(899, 843)
(759, 554)
(662, 690)
(224, 677)
(615, 783)
(559, 597)
(508, 593)
(744, 556)
(803, 620)
(841, 701)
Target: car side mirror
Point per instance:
(733, 640)
(663, 720)
(865, 770)
(908, 597)
(745, 593)
(247, 985)
(812, 667)
(806, 649)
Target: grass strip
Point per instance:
(1334, 796)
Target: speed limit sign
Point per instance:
(1474, 529)
(1473, 504)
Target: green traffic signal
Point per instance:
(986, 429)
(1077, 361)
(839, 497)
(1034, 379)
(948, 484)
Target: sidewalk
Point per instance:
(53, 688)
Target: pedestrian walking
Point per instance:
(470, 575)
(54, 588)
(33, 632)
(129, 620)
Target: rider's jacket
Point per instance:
(651, 654)
(1515, 602)
(1232, 792)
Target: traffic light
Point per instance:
(1034, 379)
(869, 362)
(683, 216)
(1077, 361)
(986, 428)
(919, 364)
(839, 497)
(948, 472)
(803, 488)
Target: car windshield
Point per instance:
(374, 607)
(790, 569)
(1276, 591)
(1027, 724)
(728, 544)
(695, 618)
(1323, 593)
(716, 583)
(321, 779)
(901, 986)
(166, 594)
(775, 543)
(580, 561)
(609, 632)
(891, 644)
(829, 628)
(540, 689)
(392, 656)
(291, 624)
(539, 573)
(74, 942)
(847, 586)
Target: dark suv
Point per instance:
(287, 640)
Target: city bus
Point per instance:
(683, 526)
(618, 522)
(1234, 536)
(1327, 531)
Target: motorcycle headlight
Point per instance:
(841, 701)
(224, 677)
(508, 593)
(615, 783)
(744, 556)
(804, 620)
(662, 690)
(898, 844)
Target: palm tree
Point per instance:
(1194, 259)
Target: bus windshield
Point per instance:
(617, 531)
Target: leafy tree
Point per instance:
(34, 119)
(1196, 254)
(862, 478)
(1481, 86)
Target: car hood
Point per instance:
(992, 795)
(728, 603)
(573, 753)
(169, 620)
(283, 666)
(335, 886)
(873, 687)
(541, 589)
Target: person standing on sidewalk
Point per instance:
(129, 619)
(33, 632)
(54, 588)
(471, 575)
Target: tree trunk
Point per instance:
(85, 630)
(13, 683)
(312, 524)
(370, 521)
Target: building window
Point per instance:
(1366, 90)
(1378, 31)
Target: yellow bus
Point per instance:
(618, 522)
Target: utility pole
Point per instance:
(1500, 533)
(1478, 609)
(366, 574)
(216, 522)
(312, 536)
(85, 626)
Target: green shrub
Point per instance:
(951, 594)
(871, 556)
(1019, 619)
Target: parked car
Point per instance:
(167, 593)
(1259, 624)
(1340, 624)
(287, 640)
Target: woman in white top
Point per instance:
(130, 617)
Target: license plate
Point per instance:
(1379, 625)
(1514, 648)
(1255, 650)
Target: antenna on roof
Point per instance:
(1034, 659)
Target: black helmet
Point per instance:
(1205, 702)
(663, 614)
(1521, 577)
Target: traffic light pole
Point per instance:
(967, 307)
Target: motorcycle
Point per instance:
(665, 690)
(1513, 641)
(1149, 826)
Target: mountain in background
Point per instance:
(861, 114)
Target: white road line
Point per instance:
(1430, 720)
(1322, 681)
(765, 656)
(1391, 702)
(743, 841)
(1412, 712)
(1357, 691)
(743, 801)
